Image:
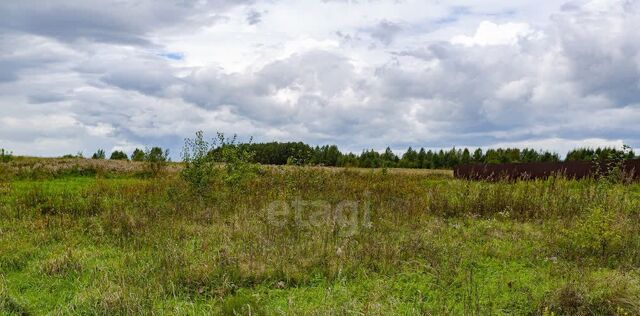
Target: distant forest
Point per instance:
(298, 153)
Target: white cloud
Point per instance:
(380, 73)
(489, 33)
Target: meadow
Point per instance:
(110, 238)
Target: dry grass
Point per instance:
(44, 168)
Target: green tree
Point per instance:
(478, 156)
(237, 159)
(138, 155)
(99, 154)
(466, 157)
(429, 160)
(5, 156)
(119, 155)
(422, 156)
(155, 160)
(409, 159)
(348, 160)
(199, 165)
(389, 159)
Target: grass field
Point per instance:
(314, 241)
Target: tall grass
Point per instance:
(309, 240)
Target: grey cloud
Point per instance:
(312, 71)
(385, 31)
(579, 80)
(40, 55)
(9, 70)
(541, 87)
(605, 65)
(254, 17)
(45, 97)
(105, 21)
(145, 79)
(571, 6)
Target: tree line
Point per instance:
(299, 153)
(153, 154)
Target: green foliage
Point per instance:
(71, 156)
(201, 157)
(409, 159)
(298, 153)
(614, 165)
(138, 155)
(155, 160)
(606, 153)
(119, 155)
(237, 159)
(200, 169)
(100, 154)
(327, 155)
(5, 156)
(600, 233)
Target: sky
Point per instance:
(76, 76)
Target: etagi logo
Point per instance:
(345, 217)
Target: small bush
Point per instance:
(600, 233)
(200, 158)
(199, 166)
(237, 159)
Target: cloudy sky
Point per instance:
(88, 74)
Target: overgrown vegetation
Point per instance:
(231, 239)
(219, 164)
(155, 161)
(5, 156)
